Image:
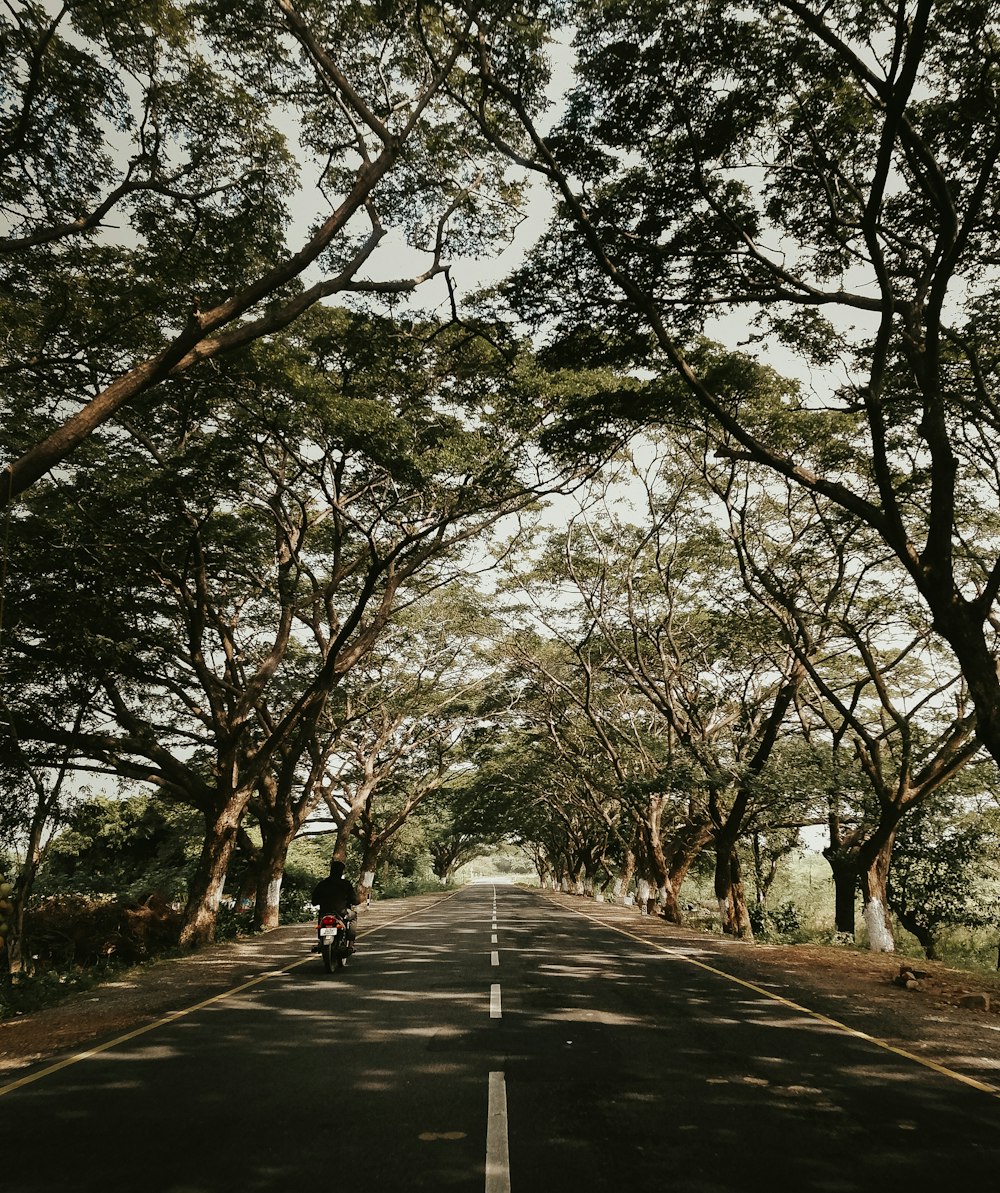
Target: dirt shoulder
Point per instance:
(856, 989)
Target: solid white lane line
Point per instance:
(494, 958)
(495, 1009)
(497, 1157)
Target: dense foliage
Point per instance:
(276, 556)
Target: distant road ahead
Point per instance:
(497, 1042)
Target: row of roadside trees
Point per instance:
(224, 498)
(251, 601)
(630, 706)
(693, 682)
(223, 494)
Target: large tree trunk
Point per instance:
(627, 874)
(960, 622)
(205, 893)
(370, 856)
(657, 868)
(842, 856)
(591, 869)
(738, 896)
(731, 895)
(280, 818)
(670, 909)
(845, 901)
(346, 826)
(844, 869)
(873, 868)
(343, 839)
(270, 873)
(684, 847)
(280, 814)
(543, 867)
(574, 875)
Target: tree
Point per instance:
(523, 792)
(880, 683)
(448, 842)
(942, 863)
(130, 848)
(455, 832)
(181, 180)
(597, 757)
(827, 174)
(497, 798)
(657, 597)
(38, 793)
(410, 710)
(241, 551)
(33, 807)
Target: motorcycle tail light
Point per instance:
(327, 921)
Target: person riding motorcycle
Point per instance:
(336, 896)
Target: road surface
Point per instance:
(496, 1042)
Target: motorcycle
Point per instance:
(334, 942)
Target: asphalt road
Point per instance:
(495, 1042)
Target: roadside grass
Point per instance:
(800, 911)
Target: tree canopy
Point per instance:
(179, 181)
(275, 542)
(823, 179)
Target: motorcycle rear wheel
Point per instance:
(329, 952)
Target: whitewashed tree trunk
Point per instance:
(879, 937)
(272, 896)
(364, 888)
(644, 889)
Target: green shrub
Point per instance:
(34, 992)
(233, 922)
(66, 931)
(787, 918)
(783, 920)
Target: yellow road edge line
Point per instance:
(170, 1017)
(173, 1016)
(673, 951)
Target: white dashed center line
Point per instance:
(497, 1159)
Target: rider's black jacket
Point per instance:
(334, 894)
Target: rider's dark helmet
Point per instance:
(336, 869)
